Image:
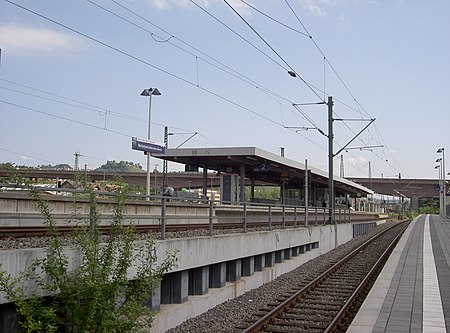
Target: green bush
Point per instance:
(95, 295)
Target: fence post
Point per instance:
(245, 217)
(211, 210)
(295, 216)
(316, 217)
(284, 217)
(92, 214)
(270, 217)
(163, 218)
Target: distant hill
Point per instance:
(12, 166)
(122, 166)
(55, 167)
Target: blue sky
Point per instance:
(71, 76)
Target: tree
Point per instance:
(7, 166)
(96, 295)
(63, 166)
(122, 166)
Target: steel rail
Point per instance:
(19, 231)
(361, 288)
(268, 317)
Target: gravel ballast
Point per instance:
(226, 317)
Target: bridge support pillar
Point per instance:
(279, 256)
(260, 262)
(217, 275)
(301, 249)
(415, 203)
(294, 251)
(248, 266)
(198, 280)
(9, 320)
(234, 270)
(154, 301)
(287, 254)
(174, 288)
(270, 259)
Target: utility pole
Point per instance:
(371, 187)
(76, 166)
(331, 219)
(306, 193)
(400, 194)
(341, 169)
(165, 170)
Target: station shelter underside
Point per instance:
(238, 166)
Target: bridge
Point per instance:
(414, 189)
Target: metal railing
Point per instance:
(206, 213)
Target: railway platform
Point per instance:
(412, 293)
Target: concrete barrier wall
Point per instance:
(18, 209)
(289, 248)
(204, 251)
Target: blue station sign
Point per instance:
(146, 146)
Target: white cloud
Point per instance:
(236, 4)
(165, 4)
(26, 158)
(28, 40)
(356, 161)
(314, 7)
(342, 19)
(317, 7)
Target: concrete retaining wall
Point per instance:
(289, 249)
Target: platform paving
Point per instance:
(412, 293)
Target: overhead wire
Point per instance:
(358, 105)
(26, 155)
(273, 19)
(63, 118)
(192, 83)
(273, 50)
(227, 69)
(326, 60)
(322, 53)
(233, 72)
(146, 63)
(309, 86)
(87, 105)
(239, 35)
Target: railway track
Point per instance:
(328, 302)
(33, 231)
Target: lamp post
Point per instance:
(149, 92)
(444, 190)
(439, 177)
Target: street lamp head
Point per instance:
(440, 150)
(150, 91)
(439, 159)
(437, 166)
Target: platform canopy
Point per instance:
(260, 166)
